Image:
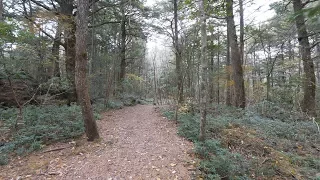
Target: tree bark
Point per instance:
(1, 10)
(55, 53)
(155, 80)
(123, 44)
(1, 21)
(318, 66)
(81, 69)
(241, 31)
(254, 72)
(211, 73)
(218, 69)
(239, 91)
(69, 24)
(203, 72)
(178, 54)
(308, 102)
(228, 72)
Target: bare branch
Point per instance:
(314, 45)
(41, 5)
(44, 32)
(307, 2)
(103, 23)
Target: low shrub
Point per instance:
(264, 134)
(42, 125)
(219, 162)
(115, 104)
(3, 159)
(276, 111)
(189, 126)
(168, 114)
(305, 161)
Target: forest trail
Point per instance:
(136, 143)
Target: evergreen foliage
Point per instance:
(241, 139)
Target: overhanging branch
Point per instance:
(103, 23)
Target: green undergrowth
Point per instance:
(43, 125)
(253, 143)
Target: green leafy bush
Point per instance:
(168, 114)
(42, 125)
(209, 148)
(259, 126)
(305, 161)
(55, 85)
(219, 162)
(4, 159)
(276, 111)
(189, 126)
(114, 104)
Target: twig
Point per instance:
(57, 149)
(314, 121)
(45, 98)
(19, 116)
(33, 96)
(265, 160)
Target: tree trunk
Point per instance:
(178, 54)
(1, 10)
(318, 66)
(203, 72)
(81, 69)
(218, 69)
(228, 73)
(155, 79)
(211, 73)
(308, 103)
(239, 91)
(69, 24)
(123, 45)
(55, 53)
(254, 71)
(241, 31)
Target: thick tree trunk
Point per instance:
(254, 72)
(241, 31)
(218, 69)
(228, 73)
(211, 73)
(318, 66)
(239, 91)
(189, 72)
(55, 53)
(203, 73)
(178, 54)
(308, 103)
(69, 24)
(1, 10)
(81, 69)
(123, 44)
(155, 80)
(1, 20)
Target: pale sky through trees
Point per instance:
(255, 13)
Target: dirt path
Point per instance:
(137, 143)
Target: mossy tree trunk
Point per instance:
(204, 86)
(69, 30)
(178, 54)
(81, 69)
(239, 89)
(309, 87)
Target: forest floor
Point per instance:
(136, 143)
